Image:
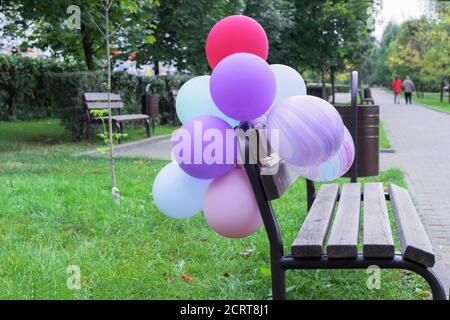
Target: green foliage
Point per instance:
(326, 33)
(86, 46)
(133, 87)
(419, 48)
(102, 114)
(67, 90)
(22, 86)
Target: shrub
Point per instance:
(67, 97)
(22, 86)
(131, 88)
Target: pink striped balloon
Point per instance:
(334, 167)
(310, 130)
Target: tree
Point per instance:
(406, 52)
(181, 28)
(382, 75)
(43, 24)
(435, 64)
(324, 33)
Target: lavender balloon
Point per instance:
(205, 147)
(243, 86)
(334, 167)
(310, 130)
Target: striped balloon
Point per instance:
(310, 130)
(334, 167)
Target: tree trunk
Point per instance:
(324, 92)
(156, 65)
(442, 90)
(87, 49)
(448, 89)
(333, 91)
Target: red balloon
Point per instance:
(236, 34)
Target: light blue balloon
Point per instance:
(177, 194)
(194, 99)
(289, 82)
(326, 171)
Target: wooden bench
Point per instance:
(365, 96)
(99, 100)
(329, 236)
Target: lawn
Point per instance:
(56, 211)
(432, 99)
(384, 139)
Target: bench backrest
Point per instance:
(99, 100)
(276, 175)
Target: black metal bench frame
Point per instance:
(280, 262)
(99, 100)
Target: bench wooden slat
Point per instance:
(311, 237)
(377, 234)
(343, 240)
(101, 96)
(130, 117)
(103, 104)
(415, 243)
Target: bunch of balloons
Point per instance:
(244, 87)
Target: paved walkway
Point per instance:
(421, 140)
(155, 148)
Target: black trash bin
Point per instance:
(150, 105)
(368, 144)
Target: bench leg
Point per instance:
(119, 130)
(147, 126)
(89, 132)
(278, 283)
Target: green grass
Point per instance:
(432, 99)
(384, 139)
(56, 211)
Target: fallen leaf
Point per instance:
(186, 278)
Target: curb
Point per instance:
(432, 108)
(127, 146)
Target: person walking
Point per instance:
(408, 87)
(396, 87)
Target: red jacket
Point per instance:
(396, 86)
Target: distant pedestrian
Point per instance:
(396, 86)
(408, 87)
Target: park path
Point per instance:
(420, 137)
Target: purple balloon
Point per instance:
(310, 130)
(205, 147)
(243, 86)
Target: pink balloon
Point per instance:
(235, 34)
(230, 207)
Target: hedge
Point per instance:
(37, 88)
(133, 87)
(22, 86)
(67, 94)
(67, 90)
